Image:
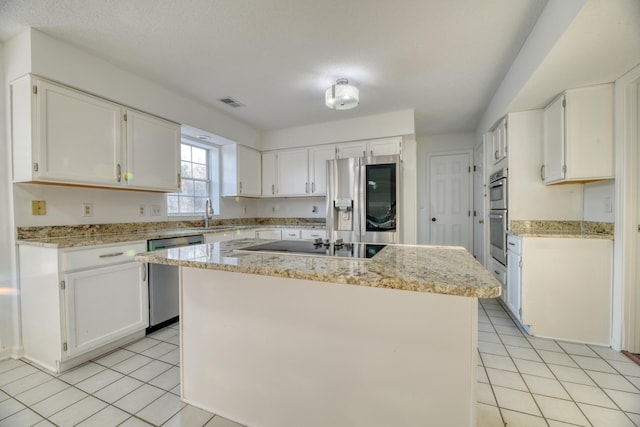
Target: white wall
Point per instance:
(64, 206)
(61, 62)
(9, 332)
(293, 207)
(427, 145)
(529, 198)
(369, 127)
(599, 201)
(551, 25)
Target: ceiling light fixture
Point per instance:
(342, 96)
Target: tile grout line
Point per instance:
(92, 394)
(544, 418)
(585, 371)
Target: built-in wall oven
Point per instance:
(498, 216)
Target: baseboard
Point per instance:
(15, 352)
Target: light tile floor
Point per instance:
(522, 382)
(136, 385)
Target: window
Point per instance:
(199, 180)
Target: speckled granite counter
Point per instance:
(101, 234)
(442, 270)
(562, 229)
(103, 239)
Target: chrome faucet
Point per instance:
(208, 212)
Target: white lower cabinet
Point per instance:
(514, 275)
(316, 233)
(220, 237)
(104, 304)
(500, 273)
(565, 286)
(291, 234)
(274, 234)
(79, 303)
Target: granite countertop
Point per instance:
(437, 269)
(562, 229)
(111, 238)
(561, 234)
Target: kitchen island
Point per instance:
(277, 340)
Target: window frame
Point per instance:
(213, 178)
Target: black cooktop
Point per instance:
(296, 247)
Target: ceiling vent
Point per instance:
(230, 102)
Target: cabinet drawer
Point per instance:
(80, 259)
(290, 234)
(514, 243)
(319, 233)
(269, 234)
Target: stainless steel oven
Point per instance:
(498, 216)
(498, 190)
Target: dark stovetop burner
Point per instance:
(295, 247)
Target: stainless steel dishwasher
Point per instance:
(164, 283)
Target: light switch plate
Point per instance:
(38, 207)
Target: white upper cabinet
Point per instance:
(241, 171)
(152, 153)
(578, 136)
(296, 172)
(385, 147)
(293, 172)
(352, 149)
(376, 147)
(61, 135)
(269, 174)
(318, 157)
(500, 141)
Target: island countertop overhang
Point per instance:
(437, 269)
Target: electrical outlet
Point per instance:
(142, 210)
(87, 209)
(155, 210)
(38, 207)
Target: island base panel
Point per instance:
(277, 352)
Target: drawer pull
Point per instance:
(511, 244)
(497, 272)
(111, 254)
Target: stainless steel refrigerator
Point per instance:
(363, 199)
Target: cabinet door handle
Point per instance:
(313, 187)
(144, 272)
(179, 182)
(306, 187)
(496, 155)
(511, 244)
(118, 173)
(240, 187)
(273, 189)
(542, 172)
(497, 272)
(111, 255)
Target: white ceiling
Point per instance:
(443, 58)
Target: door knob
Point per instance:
(433, 220)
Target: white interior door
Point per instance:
(478, 203)
(449, 200)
